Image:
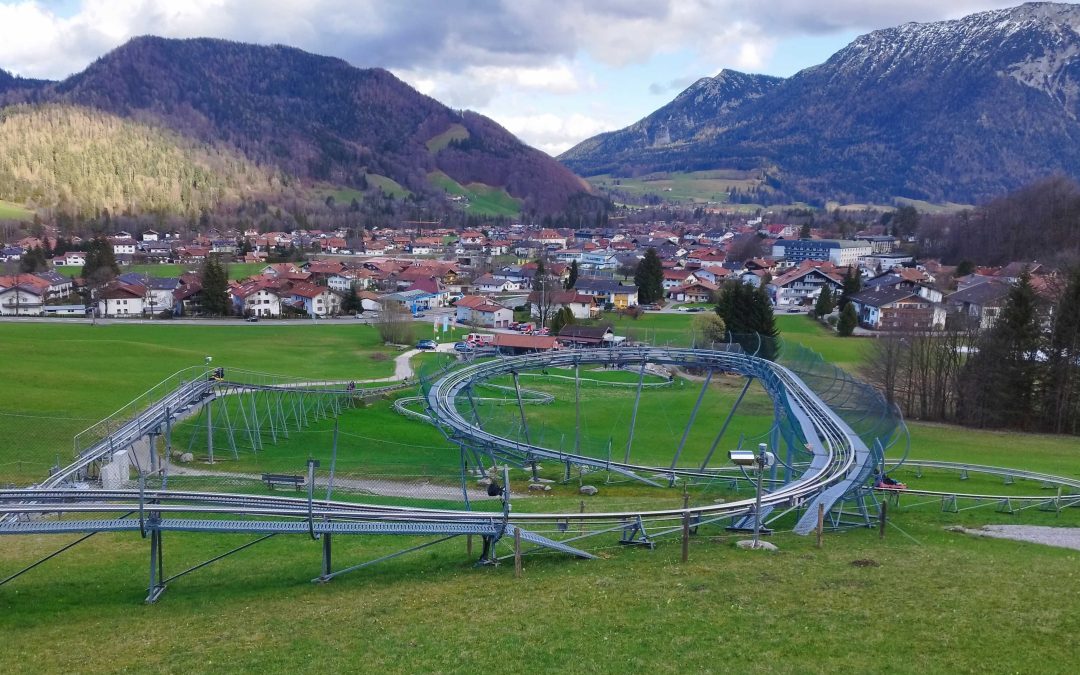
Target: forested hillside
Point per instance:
(312, 117)
(1040, 222)
(81, 160)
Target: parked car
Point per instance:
(427, 344)
(462, 347)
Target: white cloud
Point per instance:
(554, 133)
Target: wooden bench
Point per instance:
(283, 479)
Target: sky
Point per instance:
(553, 72)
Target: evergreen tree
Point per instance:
(572, 278)
(33, 261)
(1000, 378)
(100, 267)
(852, 285)
(1061, 377)
(824, 305)
(350, 304)
(563, 317)
(215, 288)
(848, 321)
(747, 312)
(649, 278)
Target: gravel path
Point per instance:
(1064, 537)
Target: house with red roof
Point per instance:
(315, 300)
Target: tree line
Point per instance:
(1021, 373)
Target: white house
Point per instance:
(316, 300)
(803, 285)
(122, 300)
(581, 306)
(73, 258)
(491, 315)
(123, 245)
(489, 284)
(21, 300)
(257, 298)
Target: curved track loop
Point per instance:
(837, 456)
(836, 463)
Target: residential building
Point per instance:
(894, 308)
(982, 301)
(122, 300)
(259, 297)
(21, 300)
(698, 292)
(802, 285)
(608, 291)
(582, 306)
(839, 252)
(315, 300)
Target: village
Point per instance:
(488, 278)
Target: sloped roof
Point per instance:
(883, 296)
(516, 341)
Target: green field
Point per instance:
(12, 211)
(921, 600)
(694, 187)
(455, 132)
(483, 199)
(165, 271)
(67, 376)
(388, 185)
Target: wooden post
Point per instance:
(583, 520)
(820, 522)
(881, 519)
(517, 553)
(685, 536)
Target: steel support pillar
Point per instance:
(577, 412)
(633, 415)
(727, 421)
(690, 422)
(210, 430)
(157, 565)
(524, 423)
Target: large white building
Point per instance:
(839, 252)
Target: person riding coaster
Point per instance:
(884, 482)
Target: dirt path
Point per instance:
(1063, 537)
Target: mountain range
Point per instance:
(958, 111)
(311, 117)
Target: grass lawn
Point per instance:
(13, 211)
(455, 132)
(697, 186)
(68, 376)
(909, 607)
(483, 199)
(236, 270)
(388, 185)
(931, 601)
